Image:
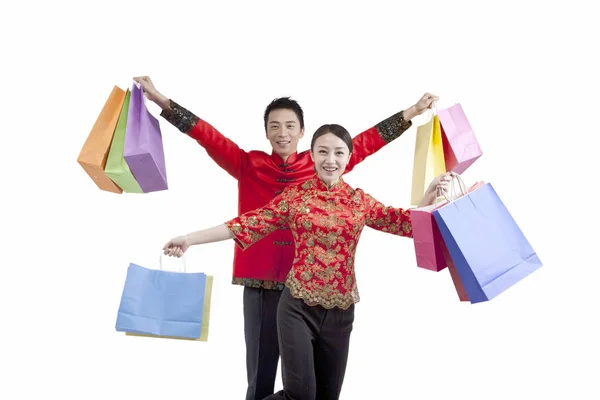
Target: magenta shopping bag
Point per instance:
(143, 150)
(427, 238)
(461, 147)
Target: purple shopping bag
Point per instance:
(461, 147)
(486, 245)
(143, 149)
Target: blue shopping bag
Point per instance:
(162, 303)
(488, 248)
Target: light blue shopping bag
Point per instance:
(163, 303)
(489, 250)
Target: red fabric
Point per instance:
(261, 177)
(327, 224)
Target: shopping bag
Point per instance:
(116, 167)
(205, 317)
(162, 303)
(458, 286)
(461, 148)
(429, 158)
(143, 151)
(94, 152)
(427, 239)
(489, 250)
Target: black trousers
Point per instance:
(314, 346)
(262, 347)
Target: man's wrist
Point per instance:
(409, 113)
(162, 101)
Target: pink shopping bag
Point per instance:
(461, 148)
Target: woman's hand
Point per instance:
(176, 247)
(438, 187)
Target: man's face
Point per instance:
(284, 132)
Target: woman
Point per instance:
(326, 217)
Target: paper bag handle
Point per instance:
(431, 111)
(161, 258)
(462, 186)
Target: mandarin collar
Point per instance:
(320, 185)
(279, 161)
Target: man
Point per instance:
(262, 269)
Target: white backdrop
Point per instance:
(526, 76)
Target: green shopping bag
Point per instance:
(116, 167)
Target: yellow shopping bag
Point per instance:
(205, 317)
(429, 158)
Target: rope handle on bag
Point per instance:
(462, 186)
(182, 259)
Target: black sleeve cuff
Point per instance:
(392, 127)
(179, 117)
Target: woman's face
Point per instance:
(331, 155)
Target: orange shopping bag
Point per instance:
(95, 150)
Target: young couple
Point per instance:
(297, 230)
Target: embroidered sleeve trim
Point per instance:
(392, 127)
(179, 117)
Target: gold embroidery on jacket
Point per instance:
(326, 225)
